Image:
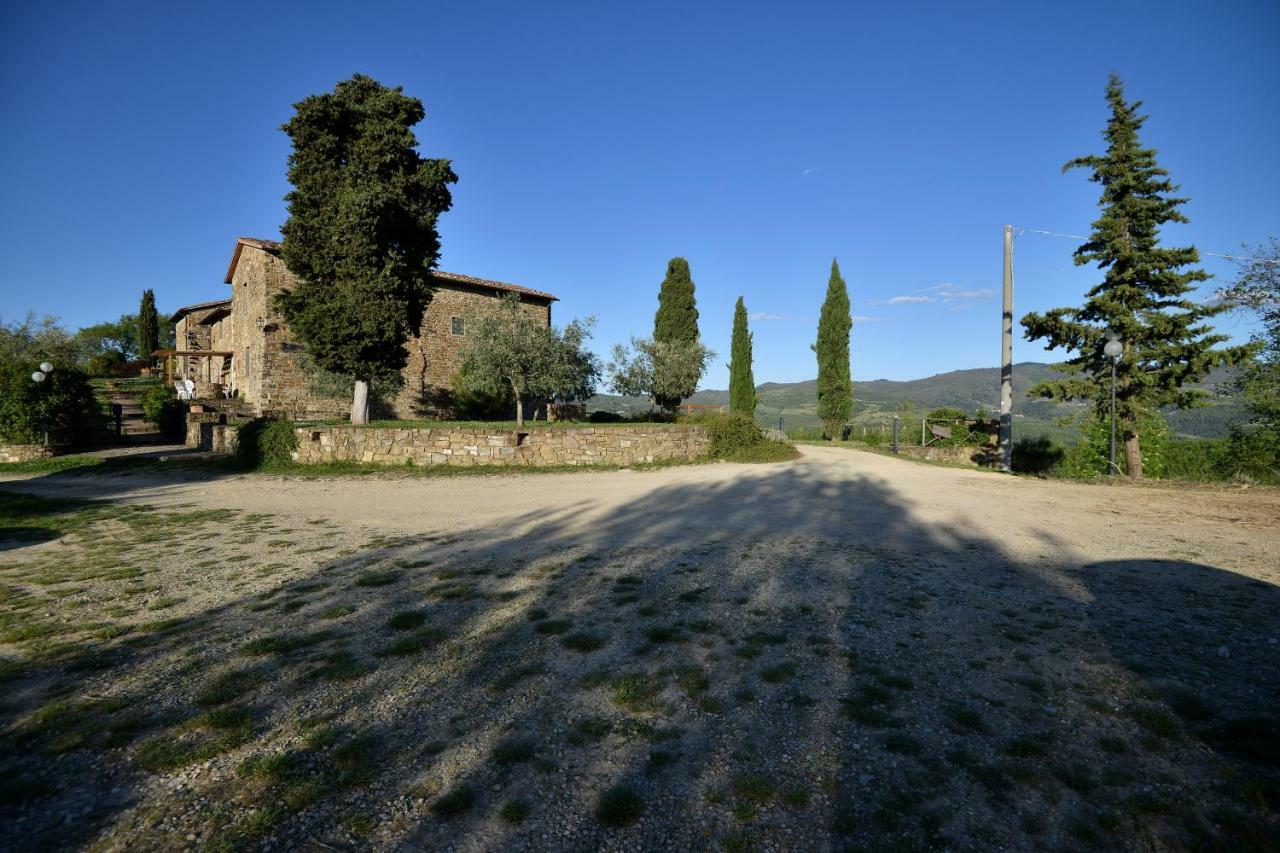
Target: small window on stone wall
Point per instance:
(456, 326)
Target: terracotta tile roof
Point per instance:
(178, 315)
(459, 278)
(273, 246)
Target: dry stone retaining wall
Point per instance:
(476, 446)
(24, 452)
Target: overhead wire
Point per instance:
(1233, 258)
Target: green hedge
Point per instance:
(266, 443)
(737, 438)
(161, 406)
(62, 405)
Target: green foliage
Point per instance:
(835, 387)
(742, 383)
(737, 438)
(336, 386)
(266, 443)
(1255, 453)
(639, 374)
(675, 337)
(1036, 456)
(487, 402)
(1089, 457)
(361, 235)
(509, 347)
(1256, 289)
(148, 325)
(35, 340)
(161, 406)
(1144, 295)
(62, 405)
(105, 344)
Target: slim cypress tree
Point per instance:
(835, 388)
(675, 329)
(148, 325)
(1143, 297)
(742, 383)
(361, 235)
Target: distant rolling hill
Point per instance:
(795, 403)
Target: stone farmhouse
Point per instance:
(240, 346)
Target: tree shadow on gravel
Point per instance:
(790, 659)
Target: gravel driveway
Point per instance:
(847, 651)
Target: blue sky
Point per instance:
(594, 141)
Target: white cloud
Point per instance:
(858, 318)
(807, 172)
(765, 315)
(945, 292)
(949, 292)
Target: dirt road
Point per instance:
(833, 493)
(846, 651)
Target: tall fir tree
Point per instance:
(742, 383)
(361, 235)
(835, 387)
(148, 325)
(675, 330)
(1143, 299)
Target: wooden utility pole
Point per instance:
(1006, 358)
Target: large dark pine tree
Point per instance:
(148, 325)
(1144, 297)
(675, 330)
(361, 235)
(742, 383)
(835, 388)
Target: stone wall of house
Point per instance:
(435, 354)
(191, 333)
(266, 367)
(24, 452)
(473, 446)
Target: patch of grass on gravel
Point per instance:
(384, 578)
(583, 641)
(406, 620)
(636, 691)
(620, 806)
(230, 686)
(515, 810)
(454, 804)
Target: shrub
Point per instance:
(161, 406)
(1253, 452)
(738, 438)
(62, 405)
(1088, 458)
(1038, 455)
(602, 417)
(266, 442)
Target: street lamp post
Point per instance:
(1114, 349)
(39, 376)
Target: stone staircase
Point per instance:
(134, 429)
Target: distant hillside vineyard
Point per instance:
(795, 403)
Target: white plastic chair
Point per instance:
(191, 389)
(181, 389)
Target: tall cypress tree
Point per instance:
(1143, 298)
(361, 235)
(675, 330)
(148, 325)
(742, 383)
(835, 388)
